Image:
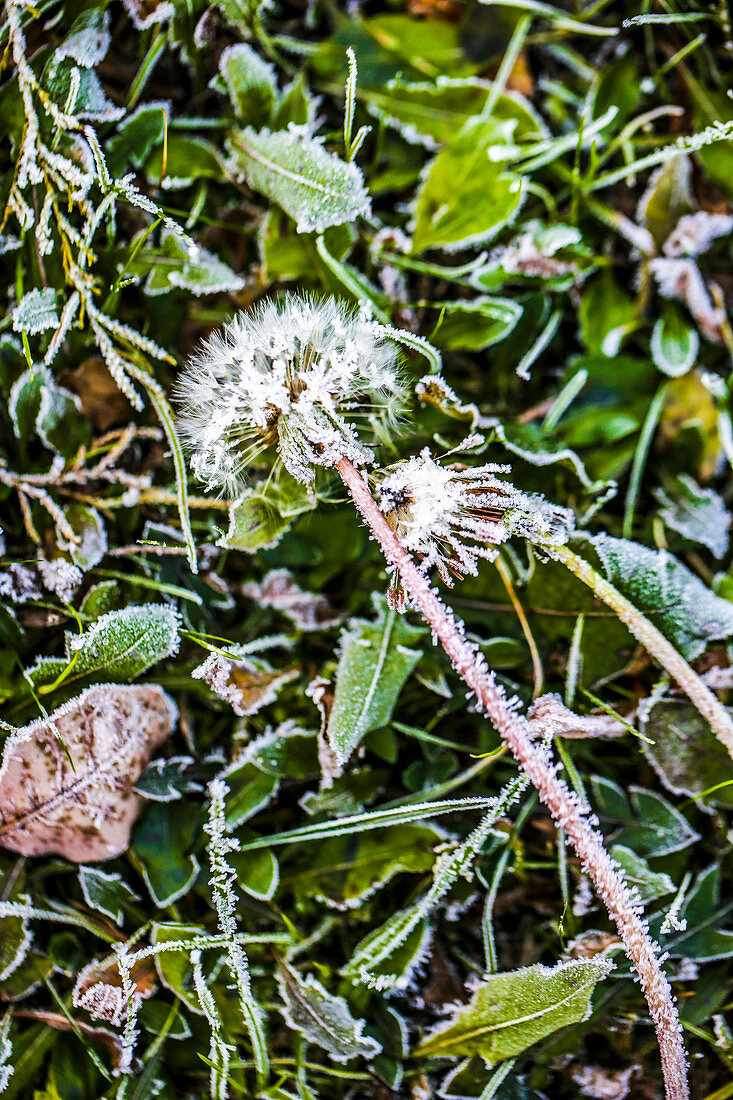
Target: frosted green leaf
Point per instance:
(15, 941)
(88, 40)
(38, 405)
(88, 525)
(316, 188)
(125, 643)
(258, 873)
(678, 602)
(322, 1018)
(700, 940)
(675, 342)
(695, 513)
(510, 1012)
(649, 825)
(685, 753)
(200, 272)
(36, 312)
(249, 82)
(473, 325)
(648, 884)
(174, 967)
(466, 195)
(375, 661)
(105, 892)
(432, 114)
(259, 519)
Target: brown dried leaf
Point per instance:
(66, 781)
(246, 686)
(305, 609)
(101, 400)
(98, 989)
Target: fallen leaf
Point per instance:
(247, 686)
(305, 609)
(98, 989)
(102, 402)
(66, 781)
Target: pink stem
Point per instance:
(561, 802)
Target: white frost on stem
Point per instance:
(562, 803)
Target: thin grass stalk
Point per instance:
(653, 641)
(561, 802)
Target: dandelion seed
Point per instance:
(296, 374)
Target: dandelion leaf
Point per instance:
(685, 753)
(66, 781)
(376, 659)
(696, 513)
(682, 607)
(322, 1018)
(316, 188)
(510, 1012)
(467, 196)
(700, 940)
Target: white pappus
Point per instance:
(296, 373)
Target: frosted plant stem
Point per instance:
(588, 844)
(654, 642)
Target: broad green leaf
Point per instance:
(675, 342)
(174, 967)
(466, 196)
(607, 315)
(509, 1012)
(173, 265)
(322, 1018)
(107, 893)
(260, 516)
(258, 873)
(123, 644)
(648, 884)
(475, 325)
(38, 404)
(15, 940)
(316, 188)
(375, 661)
(697, 514)
(685, 753)
(136, 136)
(249, 790)
(432, 114)
(250, 83)
(680, 605)
(161, 843)
(187, 161)
(347, 870)
(667, 198)
(700, 939)
(87, 524)
(36, 312)
(649, 825)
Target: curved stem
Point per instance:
(654, 642)
(562, 803)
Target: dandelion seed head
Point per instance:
(299, 374)
(451, 517)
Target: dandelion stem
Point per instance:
(653, 641)
(562, 804)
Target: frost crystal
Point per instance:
(294, 374)
(451, 517)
